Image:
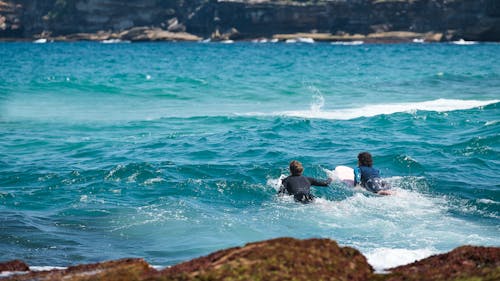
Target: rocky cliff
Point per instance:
(280, 259)
(245, 19)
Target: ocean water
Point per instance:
(171, 151)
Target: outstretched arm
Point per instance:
(317, 182)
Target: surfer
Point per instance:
(369, 177)
(298, 185)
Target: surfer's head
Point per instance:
(296, 168)
(365, 159)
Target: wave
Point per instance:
(439, 105)
(383, 258)
(54, 111)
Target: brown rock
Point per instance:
(124, 269)
(285, 259)
(463, 263)
(15, 265)
(156, 34)
(433, 37)
(277, 259)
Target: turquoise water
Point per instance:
(170, 151)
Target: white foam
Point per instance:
(153, 181)
(114, 41)
(262, 40)
(275, 183)
(40, 41)
(439, 105)
(493, 122)
(4, 274)
(46, 268)
(348, 43)
(305, 40)
(464, 42)
(487, 201)
(301, 40)
(384, 258)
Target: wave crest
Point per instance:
(439, 105)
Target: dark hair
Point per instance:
(365, 159)
(296, 168)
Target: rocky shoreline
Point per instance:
(372, 21)
(147, 34)
(280, 259)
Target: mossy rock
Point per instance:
(277, 259)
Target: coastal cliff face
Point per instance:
(244, 19)
(468, 19)
(280, 259)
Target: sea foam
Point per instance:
(439, 105)
(384, 258)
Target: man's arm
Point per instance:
(317, 182)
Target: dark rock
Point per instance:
(477, 20)
(11, 19)
(471, 19)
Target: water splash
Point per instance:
(318, 102)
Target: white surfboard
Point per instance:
(344, 174)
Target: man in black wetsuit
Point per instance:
(298, 185)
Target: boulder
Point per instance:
(277, 259)
(155, 34)
(463, 263)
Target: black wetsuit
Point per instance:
(300, 187)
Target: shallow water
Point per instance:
(170, 151)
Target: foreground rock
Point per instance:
(286, 259)
(125, 269)
(278, 259)
(15, 265)
(463, 263)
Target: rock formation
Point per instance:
(477, 20)
(282, 259)
(463, 263)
